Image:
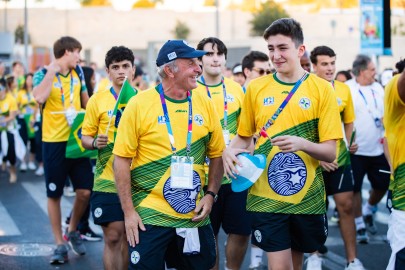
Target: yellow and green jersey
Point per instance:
(235, 97)
(26, 102)
(142, 135)
(394, 123)
(346, 110)
(7, 106)
(99, 113)
(291, 183)
(55, 127)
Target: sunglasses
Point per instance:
(261, 71)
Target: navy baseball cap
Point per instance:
(176, 49)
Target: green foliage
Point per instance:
(90, 3)
(181, 30)
(268, 12)
(19, 35)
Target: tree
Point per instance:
(19, 35)
(95, 2)
(144, 4)
(268, 12)
(181, 30)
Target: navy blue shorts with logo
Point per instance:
(58, 168)
(229, 211)
(338, 181)
(371, 166)
(106, 208)
(275, 232)
(159, 244)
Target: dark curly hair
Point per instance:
(400, 66)
(118, 54)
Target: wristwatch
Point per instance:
(215, 196)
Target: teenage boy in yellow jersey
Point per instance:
(105, 204)
(61, 92)
(394, 123)
(337, 175)
(254, 65)
(287, 203)
(162, 141)
(230, 209)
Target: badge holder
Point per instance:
(226, 134)
(181, 172)
(70, 115)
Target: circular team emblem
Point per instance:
(182, 200)
(198, 119)
(230, 98)
(258, 236)
(339, 101)
(98, 212)
(135, 257)
(52, 186)
(305, 103)
(287, 174)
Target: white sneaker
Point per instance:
(69, 192)
(314, 262)
(39, 171)
(355, 265)
(31, 166)
(23, 167)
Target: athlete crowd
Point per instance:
(161, 185)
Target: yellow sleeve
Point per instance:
(91, 120)
(13, 105)
(348, 113)
(247, 125)
(329, 118)
(216, 145)
(128, 133)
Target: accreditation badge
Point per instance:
(226, 135)
(70, 115)
(181, 172)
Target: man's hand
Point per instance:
(53, 66)
(288, 144)
(229, 159)
(329, 166)
(203, 208)
(353, 148)
(132, 222)
(101, 141)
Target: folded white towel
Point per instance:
(396, 235)
(191, 240)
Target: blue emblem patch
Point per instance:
(287, 174)
(268, 101)
(181, 200)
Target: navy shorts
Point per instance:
(363, 165)
(275, 232)
(229, 211)
(159, 244)
(105, 208)
(58, 168)
(337, 181)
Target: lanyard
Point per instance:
(62, 92)
(270, 122)
(365, 100)
(168, 125)
(113, 93)
(333, 84)
(225, 99)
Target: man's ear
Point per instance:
(169, 72)
(301, 50)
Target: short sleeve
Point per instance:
(128, 132)
(247, 125)
(329, 118)
(91, 118)
(216, 145)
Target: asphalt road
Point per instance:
(26, 240)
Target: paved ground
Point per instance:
(24, 226)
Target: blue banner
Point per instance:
(372, 27)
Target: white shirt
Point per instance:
(368, 107)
